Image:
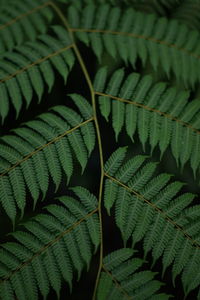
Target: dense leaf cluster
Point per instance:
(141, 74)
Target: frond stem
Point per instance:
(136, 36)
(92, 92)
(84, 69)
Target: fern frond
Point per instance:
(52, 247)
(148, 207)
(119, 279)
(160, 114)
(43, 148)
(130, 34)
(43, 42)
(26, 69)
(22, 20)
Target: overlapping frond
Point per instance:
(29, 67)
(148, 6)
(131, 34)
(188, 12)
(170, 3)
(21, 21)
(161, 114)
(121, 278)
(157, 4)
(150, 207)
(52, 247)
(41, 148)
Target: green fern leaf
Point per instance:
(39, 149)
(146, 209)
(99, 85)
(50, 248)
(188, 13)
(32, 65)
(190, 275)
(86, 112)
(138, 63)
(155, 39)
(21, 21)
(115, 160)
(158, 119)
(7, 198)
(110, 194)
(120, 280)
(75, 138)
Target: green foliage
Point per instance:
(147, 207)
(34, 22)
(29, 67)
(120, 278)
(152, 110)
(68, 68)
(51, 247)
(43, 148)
(188, 12)
(130, 34)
